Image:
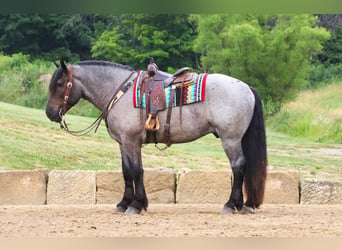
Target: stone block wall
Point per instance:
(163, 185)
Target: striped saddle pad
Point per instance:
(192, 93)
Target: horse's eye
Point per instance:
(60, 84)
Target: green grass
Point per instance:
(315, 114)
(28, 140)
(310, 159)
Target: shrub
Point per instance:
(19, 80)
(323, 74)
(19, 83)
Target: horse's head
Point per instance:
(63, 93)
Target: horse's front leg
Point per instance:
(134, 198)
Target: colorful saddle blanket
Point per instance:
(192, 93)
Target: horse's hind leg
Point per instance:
(134, 199)
(237, 160)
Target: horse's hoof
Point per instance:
(120, 210)
(247, 210)
(132, 210)
(228, 210)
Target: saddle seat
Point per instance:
(177, 77)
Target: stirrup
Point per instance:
(152, 124)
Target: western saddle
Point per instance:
(153, 85)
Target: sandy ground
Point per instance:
(164, 220)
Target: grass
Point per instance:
(28, 140)
(315, 114)
(310, 159)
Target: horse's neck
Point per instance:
(100, 85)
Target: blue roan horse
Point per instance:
(231, 111)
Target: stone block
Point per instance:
(109, 187)
(159, 185)
(71, 187)
(201, 186)
(23, 187)
(321, 192)
(282, 187)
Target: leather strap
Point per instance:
(117, 95)
(142, 90)
(181, 102)
(67, 91)
(168, 117)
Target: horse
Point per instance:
(232, 111)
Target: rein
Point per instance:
(124, 86)
(84, 131)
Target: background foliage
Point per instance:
(279, 55)
(272, 53)
(167, 38)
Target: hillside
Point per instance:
(315, 114)
(29, 140)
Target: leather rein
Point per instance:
(124, 86)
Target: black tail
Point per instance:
(255, 151)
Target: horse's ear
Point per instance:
(64, 67)
(57, 65)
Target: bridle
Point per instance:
(68, 84)
(124, 86)
(62, 111)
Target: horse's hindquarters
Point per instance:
(230, 105)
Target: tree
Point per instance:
(51, 36)
(167, 38)
(110, 46)
(332, 51)
(128, 39)
(19, 33)
(271, 53)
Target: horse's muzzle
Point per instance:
(53, 115)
